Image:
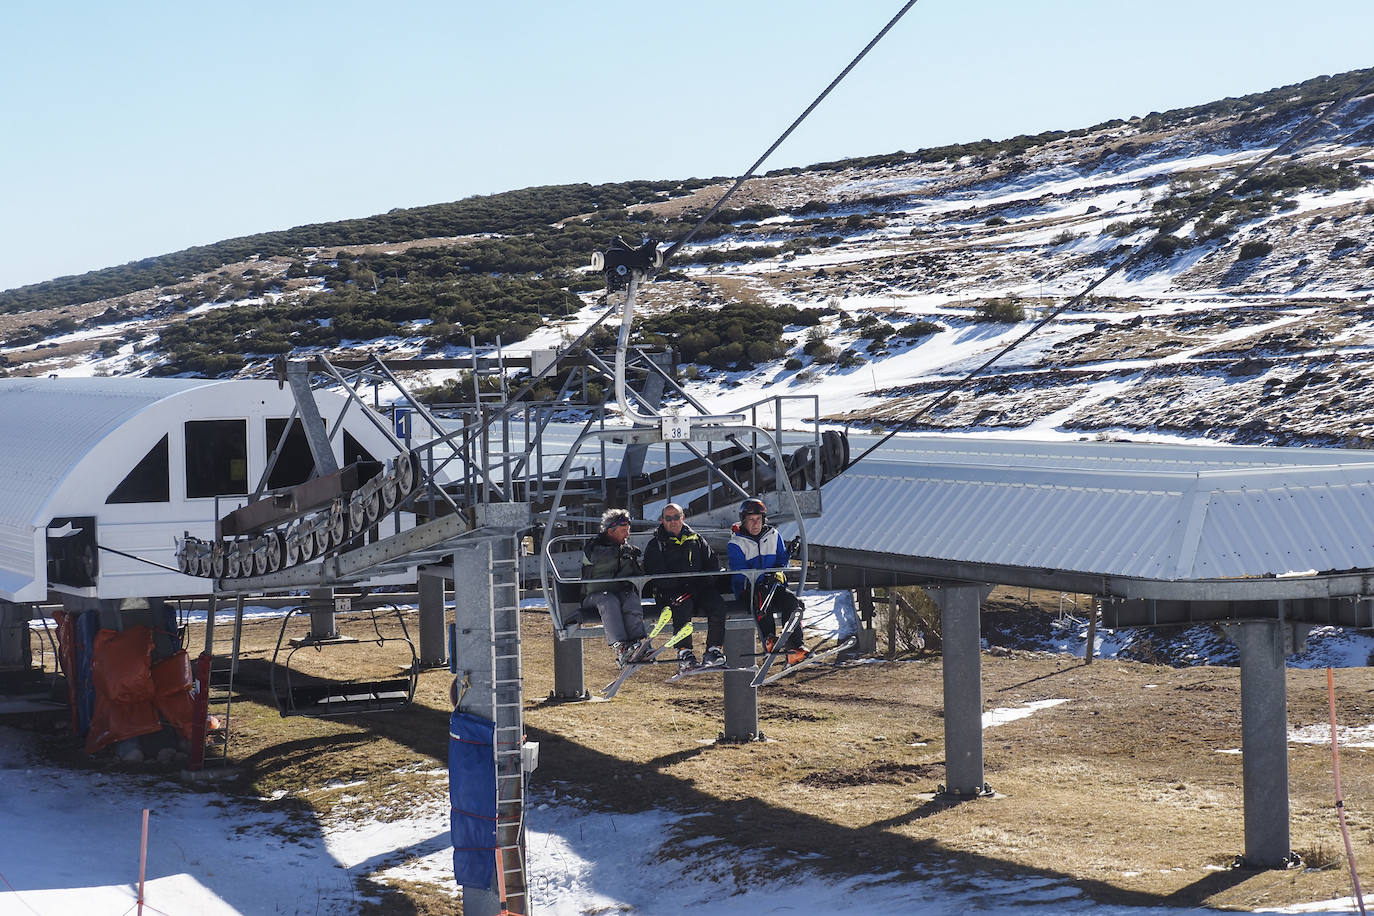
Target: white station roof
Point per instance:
(1143, 511)
(52, 423)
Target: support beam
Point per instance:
(741, 700)
(569, 677)
(474, 655)
(429, 582)
(298, 377)
(960, 608)
(1264, 644)
(320, 601)
(486, 586)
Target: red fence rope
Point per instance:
(1340, 800)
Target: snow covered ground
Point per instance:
(71, 845)
(70, 842)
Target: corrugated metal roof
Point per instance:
(51, 423)
(1162, 512)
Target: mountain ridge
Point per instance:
(882, 256)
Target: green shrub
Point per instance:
(1255, 250)
(815, 340)
(1006, 310)
(742, 255)
(792, 364)
(919, 328)
(1122, 228)
(1166, 245)
(878, 331)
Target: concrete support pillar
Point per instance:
(741, 700)
(320, 601)
(1264, 645)
(429, 582)
(569, 678)
(960, 608)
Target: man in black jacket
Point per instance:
(676, 548)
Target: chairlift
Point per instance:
(561, 588)
(300, 693)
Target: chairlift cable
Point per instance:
(139, 559)
(672, 249)
(1139, 254)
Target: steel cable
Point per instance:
(672, 249)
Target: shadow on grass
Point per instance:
(749, 825)
(771, 830)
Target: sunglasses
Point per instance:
(672, 518)
(620, 523)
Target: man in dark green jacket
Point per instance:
(607, 557)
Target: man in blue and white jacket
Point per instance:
(754, 544)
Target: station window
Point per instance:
(295, 465)
(148, 482)
(216, 458)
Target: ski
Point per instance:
(665, 618)
(705, 669)
(779, 645)
(812, 659)
(644, 659)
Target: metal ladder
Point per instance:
(508, 707)
(223, 668)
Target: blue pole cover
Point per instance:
(472, 798)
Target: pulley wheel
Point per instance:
(305, 544)
(405, 474)
(263, 555)
(357, 513)
(338, 528)
(390, 492)
(186, 559)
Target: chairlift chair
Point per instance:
(626, 266)
(299, 694)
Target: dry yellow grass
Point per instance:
(1127, 790)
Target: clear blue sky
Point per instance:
(135, 129)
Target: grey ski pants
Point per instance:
(621, 614)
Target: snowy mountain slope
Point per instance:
(1252, 325)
